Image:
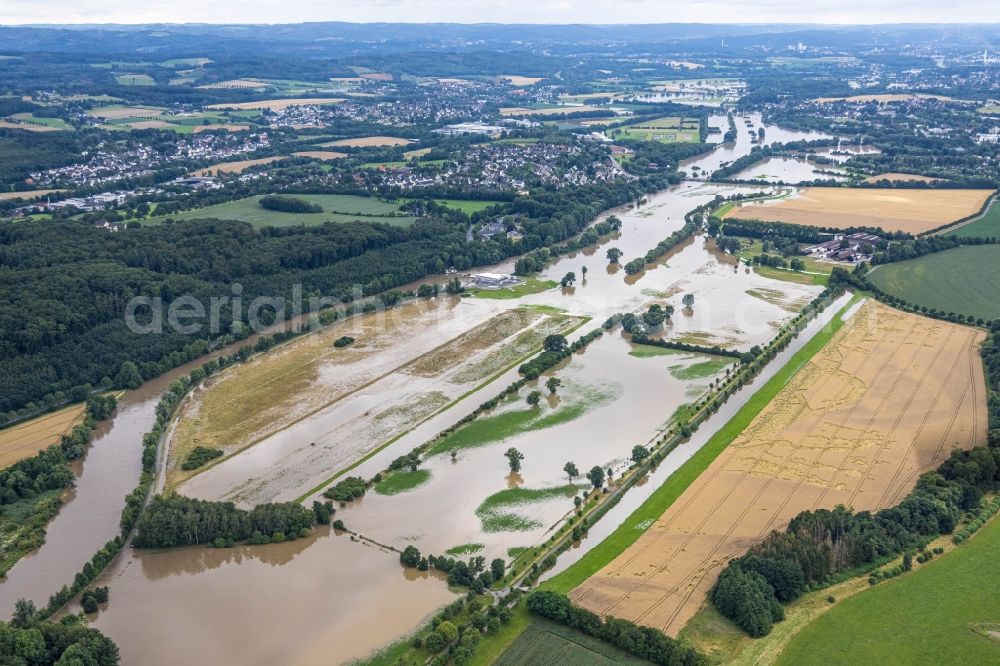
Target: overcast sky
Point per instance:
(500, 11)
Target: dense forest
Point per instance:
(181, 521)
(30, 641)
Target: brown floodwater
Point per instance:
(791, 170)
(90, 517)
(745, 134)
(320, 600)
(347, 599)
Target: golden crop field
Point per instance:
(119, 112)
(516, 80)
(279, 104)
(887, 399)
(30, 194)
(369, 141)
(29, 127)
(236, 167)
(910, 210)
(26, 439)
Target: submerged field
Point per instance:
(888, 398)
(311, 408)
(964, 280)
(929, 616)
(911, 210)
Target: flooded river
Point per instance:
(327, 599)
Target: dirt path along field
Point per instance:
(886, 400)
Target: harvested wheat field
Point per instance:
(27, 194)
(913, 211)
(520, 81)
(119, 112)
(369, 141)
(320, 154)
(26, 439)
(279, 104)
(236, 167)
(888, 398)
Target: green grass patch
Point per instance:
(135, 80)
(336, 208)
(576, 401)
(400, 482)
(925, 617)
(964, 280)
(649, 351)
(792, 276)
(701, 370)
(545, 642)
(668, 129)
(515, 551)
(986, 225)
(663, 497)
(467, 206)
(465, 549)
(529, 286)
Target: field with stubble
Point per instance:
(911, 210)
(26, 439)
(887, 399)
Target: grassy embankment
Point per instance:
(663, 497)
(964, 280)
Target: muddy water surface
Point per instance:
(319, 600)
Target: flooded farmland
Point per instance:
(403, 383)
(790, 170)
(748, 128)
